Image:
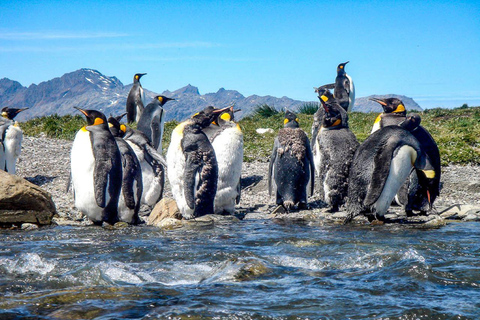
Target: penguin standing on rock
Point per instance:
(227, 142)
(192, 166)
(132, 186)
(380, 166)
(334, 150)
(135, 100)
(152, 121)
(11, 136)
(291, 166)
(96, 169)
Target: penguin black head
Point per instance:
(162, 99)
(228, 114)
(332, 116)
(93, 117)
(11, 113)
(341, 68)
(207, 116)
(117, 129)
(137, 77)
(390, 105)
(291, 120)
(411, 122)
(118, 118)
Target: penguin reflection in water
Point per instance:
(192, 166)
(11, 137)
(291, 167)
(96, 169)
(380, 166)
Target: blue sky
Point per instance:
(428, 50)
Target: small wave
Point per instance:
(28, 263)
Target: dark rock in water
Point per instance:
(24, 202)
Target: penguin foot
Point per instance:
(409, 213)
(288, 205)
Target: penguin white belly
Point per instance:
(228, 147)
(317, 158)
(13, 147)
(151, 182)
(351, 95)
(176, 169)
(82, 168)
(139, 109)
(125, 214)
(400, 168)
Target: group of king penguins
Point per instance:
(115, 169)
(399, 161)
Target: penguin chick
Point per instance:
(132, 185)
(227, 142)
(152, 121)
(291, 166)
(135, 100)
(333, 154)
(96, 169)
(192, 166)
(393, 114)
(11, 136)
(380, 166)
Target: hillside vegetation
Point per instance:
(456, 131)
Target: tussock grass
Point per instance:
(264, 111)
(308, 108)
(456, 131)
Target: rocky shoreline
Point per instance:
(46, 163)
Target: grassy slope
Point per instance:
(457, 131)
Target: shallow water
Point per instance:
(251, 269)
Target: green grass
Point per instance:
(308, 108)
(264, 111)
(456, 131)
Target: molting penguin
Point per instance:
(334, 151)
(135, 100)
(291, 166)
(417, 198)
(11, 137)
(132, 186)
(393, 114)
(152, 121)
(96, 169)
(379, 168)
(192, 166)
(227, 142)
(152, 165)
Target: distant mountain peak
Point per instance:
(188, 89)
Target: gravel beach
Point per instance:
(46, 163)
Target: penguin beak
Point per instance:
(324, 105)
(82, 111)
(20, 110)
(168, 99)
(236, 110)
(383, 103)
(119, 118)
(141, 75)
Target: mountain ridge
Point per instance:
(88, 88)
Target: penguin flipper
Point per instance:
(346, 85)
(312, 168)
(273, 157)
(192, 168)
(155, 155)
(330, 86)
(100, 180)
(129, 167)
(239, 191)
(156, 134)
(381, 170)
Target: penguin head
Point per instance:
(332, 116)
(117, 129)
(162, 99)
(137, 76)
(411, 122)
(341, 68)
(207, 116)
(390, 105)
(291, 120)
(118, 118)
(93, 117)
(324, 95)
(11, 113)
(227, 116)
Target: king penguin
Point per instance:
(227, 142)
(344, 89)
(152, 121)
(135, 100)
(334, 150)
(11, 136)
(96, 169)
(393, 114)
(132, 186)
(152, 165)
(192, 166)
(412, 196)
(291, 166)
(380, 166)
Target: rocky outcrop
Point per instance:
(24, 202)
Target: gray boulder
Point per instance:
(24, 202)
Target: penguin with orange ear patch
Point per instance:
(96, 169)
(393, 114)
